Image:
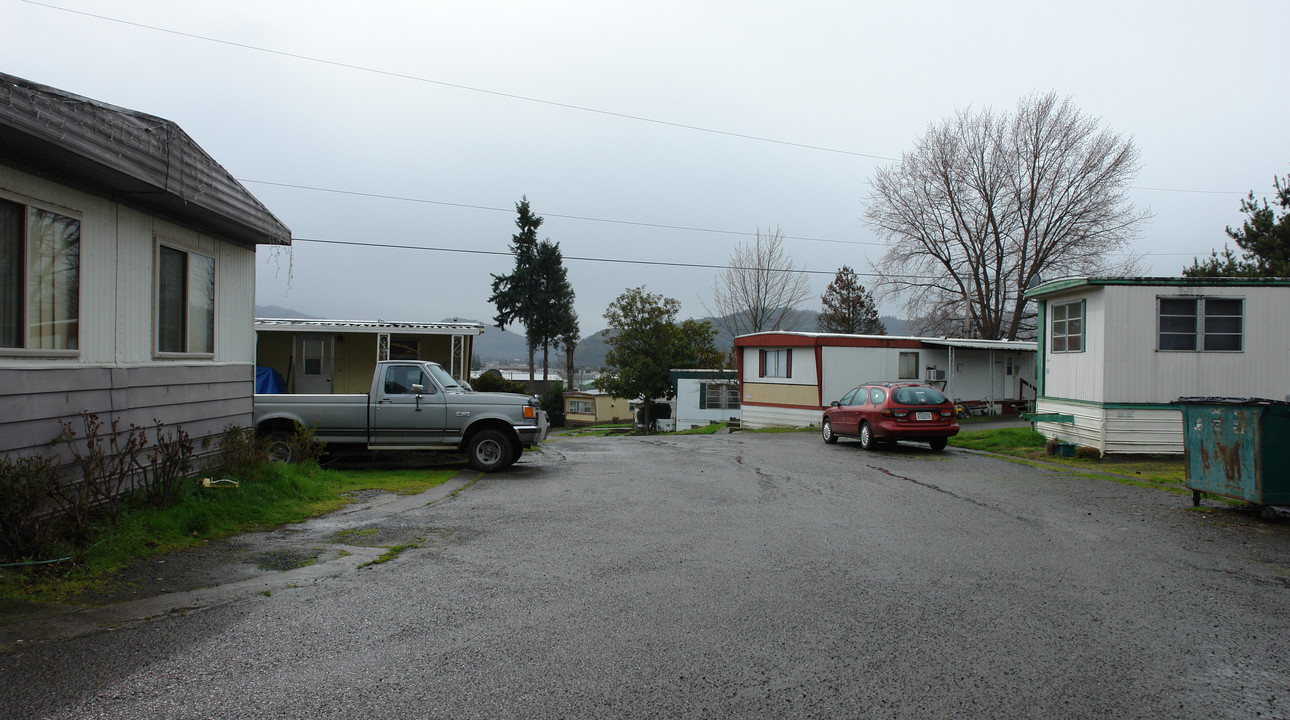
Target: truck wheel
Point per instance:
(277, 445)
(490, 450)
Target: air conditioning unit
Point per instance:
(935, 374)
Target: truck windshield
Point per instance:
(448, 382)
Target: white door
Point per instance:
(313, 366)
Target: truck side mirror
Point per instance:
(418, 389)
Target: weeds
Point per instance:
(168, 464)
(106, 462)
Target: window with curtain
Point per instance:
(185, 301)
(40, 271)
(908, 369)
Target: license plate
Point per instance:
(923, 416)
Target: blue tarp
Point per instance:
(269, 381)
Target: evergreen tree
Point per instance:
(1264, 239)
(848, 307)
(537, 293)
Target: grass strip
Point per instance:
(278, 495)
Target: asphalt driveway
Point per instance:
(724, 576)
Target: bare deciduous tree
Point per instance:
(986, 202)
(761, 287)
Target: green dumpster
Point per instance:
(1237, 448)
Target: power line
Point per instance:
(458, 86)
(524, 98)
(445, 203)
(634, 223)
(621, 261)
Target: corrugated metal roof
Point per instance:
(945, 342)
(130, 157)
(1021, 345)
(405, 328)
(1057, 285)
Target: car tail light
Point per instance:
(888, 412)
(947, 413)
(530, 412)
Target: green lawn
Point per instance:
(1165, 472)
(280, 494)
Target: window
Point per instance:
(580, 407)
(40, 278)
(185, 302)
(908, 369)
(1208, 323)
(850, 398)
(312, 352)
(402, 348)
(718, 395)
(777, 363)
(877, 395)
(399, 379)
(1068, 327)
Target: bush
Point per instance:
(494, 382)
(26, 522)
(304, 448)
(168, 464)
(107, 461)
(553, 403)
(241, 454)
(1084, 451)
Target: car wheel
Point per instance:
(938, 443)
(827, 432)
(277, 446)
(490, 450)
(866, 436)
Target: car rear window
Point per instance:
(918, 396)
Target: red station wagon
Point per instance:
(890, 411)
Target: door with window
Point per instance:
(403, 416)
(313, 366)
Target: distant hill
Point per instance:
(506, 347)
(277, 311)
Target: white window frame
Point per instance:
(188, 329)
(777, 363)
(29, 205)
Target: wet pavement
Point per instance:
(725, 576)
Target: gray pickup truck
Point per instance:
(413, 405)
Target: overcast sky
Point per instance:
(659, 132)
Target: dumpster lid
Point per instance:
(1228, 401)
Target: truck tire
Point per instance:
(277, 445)
(490, 450)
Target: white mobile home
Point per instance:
(788, 378)
(702, 397)
(1115, 352)
(127, 271)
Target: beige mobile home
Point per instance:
(1115, 352)
(788, 378)
(339, 356)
